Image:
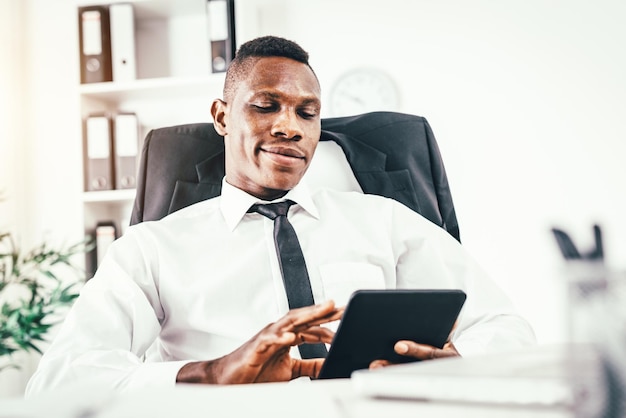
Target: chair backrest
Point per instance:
(390, 154)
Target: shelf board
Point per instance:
(153, 88)
(155, 9)
(126, 195)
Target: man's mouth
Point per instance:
(283, 151)
(284, 157)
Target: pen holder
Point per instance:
(597, 336)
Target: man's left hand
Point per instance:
(418, 351)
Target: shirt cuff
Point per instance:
(159, 374)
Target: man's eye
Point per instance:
(264, 107)
(308, 114)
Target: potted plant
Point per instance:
(35, 286)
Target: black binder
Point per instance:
(95, 44)
(221, 24)
(98, 153)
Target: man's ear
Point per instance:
(218, 111)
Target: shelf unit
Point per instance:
(174, 85)
(149, 88)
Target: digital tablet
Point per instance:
(374, 320)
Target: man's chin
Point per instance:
(279, 188)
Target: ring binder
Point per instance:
(126, 140)
(95, 44)
(221, 24)
(122, 30)
(98, 153)
(105, 233)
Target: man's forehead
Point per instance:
(275, 76)
(277, 95)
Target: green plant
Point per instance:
(33, 287)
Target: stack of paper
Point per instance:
(543, 376)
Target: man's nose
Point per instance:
(287, 125)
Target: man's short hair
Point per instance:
(249, 52)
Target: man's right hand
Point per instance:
(265, 357)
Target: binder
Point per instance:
(126, 146)
(221, 25)
(123, 58)
(98, 153)
(95, 44)
(106, 233)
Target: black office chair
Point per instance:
(391, 154)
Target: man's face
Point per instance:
(271, 127)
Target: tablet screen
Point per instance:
(374, 320)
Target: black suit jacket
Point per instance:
(391, 154)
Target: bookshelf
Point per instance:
(174, 85)
(151, 88)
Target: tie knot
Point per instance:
(273, 210)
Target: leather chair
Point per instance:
(390, 154)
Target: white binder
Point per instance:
(124, 61)
(98, 153)
(106, 233)
(126, 137)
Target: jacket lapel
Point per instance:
(369, 167)
(209, 185)
(212, 169)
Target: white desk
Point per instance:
(301, 399)
(528, 383)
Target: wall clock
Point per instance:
(363, 90)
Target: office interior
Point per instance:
(527, 100)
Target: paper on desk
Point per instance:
(538, 376)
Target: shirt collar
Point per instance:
(235, 202)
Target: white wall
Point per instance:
(11, 108)
(53, 149)
(40, 118)
(526, 99)
(39, 129)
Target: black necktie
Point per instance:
(292, 265)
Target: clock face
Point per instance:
(363, 90)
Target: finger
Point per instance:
(316, 335)
(424, 351)
(296, 327)
(335, 315)
(272, 342)
(377, 364)
(308, 316)
(269, 343)
(450, 346)
(310, 336)
(309, 367)
(314, 324)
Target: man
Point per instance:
(177, 300)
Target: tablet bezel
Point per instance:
(374, 320)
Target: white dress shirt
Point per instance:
(202, 281)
